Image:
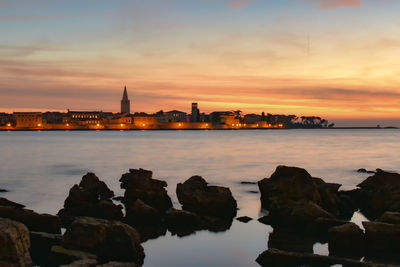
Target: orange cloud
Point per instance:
(330, 4)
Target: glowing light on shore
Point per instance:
(8, 124)
(39, 125)
(122, 125)
(98, 125)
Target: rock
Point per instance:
(253, 192)
(118, 264)
(34, 221)
(346, 240)
(380, 193)
(82, 263)
(90, 198)
(3, 190)
(141, 213)
(108, 240)
(41, 244)
(182, 222)
(247, 183)
(362, 170)
(139, 184)
(275, 257)
(217, 224)
(14, 244)
(244, 219)
(382, 240)
(370, 172)
(390, 217)
(150, 231)
(196, 196)
(320, 227)
(8, 203)
(291, 240)
(60, 256)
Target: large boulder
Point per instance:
(346, 240)
(139, 184)
(197, 196)
(382, 240)
(90, 198)
(182, 222)
(14, 244)
(41, 244)
(320, 227)
(108, 240)
(34, 221)
(380, 193)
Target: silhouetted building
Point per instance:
(28, 119)
(195, 116)
(53, 117)
(6, 119)
(125, 103)
(176, 116)
(251, 118)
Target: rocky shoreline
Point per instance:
(105, 230)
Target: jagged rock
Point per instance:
(390, 217)
(244, 219)
(275, 257)
(380, 193)
(41, 244)
(108, 240)
(60, 256)
(382, 240)
(34, 221)
(90, 198)
(14, 244)
(182, 222)
(197, 196)
(9, 203)
(346, 240)
(141, 213)
(139, 184)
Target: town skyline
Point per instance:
(332, 58)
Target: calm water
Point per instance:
(40, 167)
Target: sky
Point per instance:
(338, 59)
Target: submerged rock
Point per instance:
(139, 184)
(90, 198)
(14, 244)
(346, 240)
(244, 219)
(108, 240)
(60, 256)
(3, 190)
(34, 221)
(197, 196)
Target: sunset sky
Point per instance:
(339, 59)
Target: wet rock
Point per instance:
(82, 263)
(291, 240)
(60, 256)
(382, 240)
(3, 190)
(108, 240)
(253, 192)
(90, 198)
(34, 221)
(141, 213)
(244, 219)
(9, 203)
(182, 222)
(275, 257)
(217, 224)
(139, 184)
(248, 183)
(380, 193)
(362, 170)
(41, 244)
(197, 196)
(14, 244)
(151, 231)
(320, 227)
(346, 240)
(390, 217)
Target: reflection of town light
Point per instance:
(39, 125)
(8, 124)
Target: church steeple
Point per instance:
(125, 103)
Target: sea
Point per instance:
(39, 167)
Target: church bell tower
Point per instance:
(125, 103)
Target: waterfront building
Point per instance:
(195, 116)
(144, 121)
(125, 103)
(28, 119)
(6, 119)
(83, 117)
(53, 117)
(251, 118)
(176, 116)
